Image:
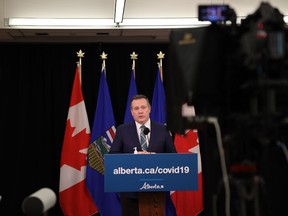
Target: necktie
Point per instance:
(143, 140)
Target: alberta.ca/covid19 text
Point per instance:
(152, 170)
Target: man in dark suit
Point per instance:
(127, 140)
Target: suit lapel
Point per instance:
(152, 137)
(134, 134)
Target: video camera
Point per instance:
(210, 66)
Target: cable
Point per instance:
(214, 121)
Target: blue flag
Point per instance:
(158, 114)
(102, 135)
(132, 92)
(158, 106)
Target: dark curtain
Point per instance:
(36, 83)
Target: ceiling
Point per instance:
(89, 35)
(98, 9)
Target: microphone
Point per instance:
(146, 131)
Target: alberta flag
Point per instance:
(102, 136)
(75, 200)
(132, 92)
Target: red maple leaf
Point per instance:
(72, 146)
(187, 141)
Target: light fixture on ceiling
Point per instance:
(163, 23)
(67, 23)
(63, 23)
(119, 10)
(59, 23)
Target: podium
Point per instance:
(152, 203)
(152, 175)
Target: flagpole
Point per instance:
(160, 56)
(132, 90)
(80, 54)
(104, 57)
(133, 56)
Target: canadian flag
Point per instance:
(75, 200)
(189, 203)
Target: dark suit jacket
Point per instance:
(127, 139)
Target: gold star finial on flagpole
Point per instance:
(160, 56)
(133, 56)
(80, 54)
(103, 57)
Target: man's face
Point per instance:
(140, 110)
